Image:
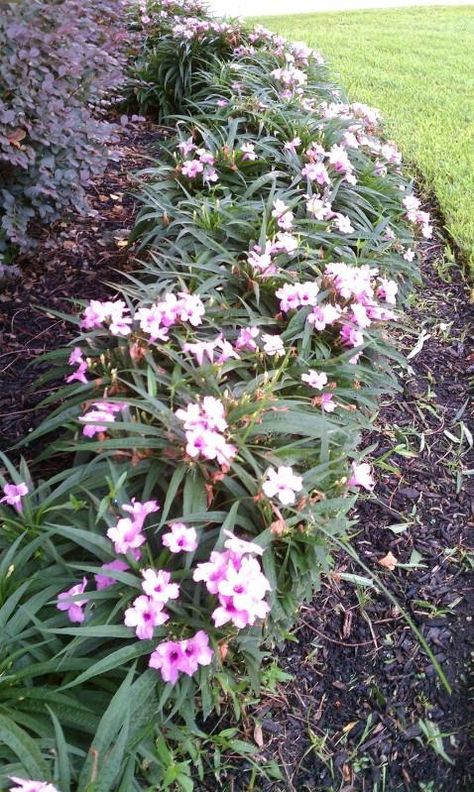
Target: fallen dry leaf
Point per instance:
(258, 735)
(388, 561)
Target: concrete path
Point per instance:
(247, 8)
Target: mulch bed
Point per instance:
(74, 260)
(349, 719)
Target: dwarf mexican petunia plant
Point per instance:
(211, 414)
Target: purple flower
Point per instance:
(74, 607)
(168, 658)
(180, 538)
(195, 652)
(104, 581)
(157, 585)
(145, 614)
(13, 493)
(126, 535)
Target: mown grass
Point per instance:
(415, 64)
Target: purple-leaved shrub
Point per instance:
(58, 57)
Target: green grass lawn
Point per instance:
(417, 66)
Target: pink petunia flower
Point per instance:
(27, 785)
(283, 215)
(246, 338)
(316, 171)
(248, 150)
(157, 585)
(104, 581)
(126, 536)
(168, 657)
(192, 168)
(361, 476)
(140, 511)
(180, 538)
(315, 379)
(327, 402)
(283, 484)
(98, 418)
(74, 607)
(350, 336)
(13, 493)
(145, 614)
(195, 652)
(273, 345)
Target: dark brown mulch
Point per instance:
(350, 718)
(73, 260)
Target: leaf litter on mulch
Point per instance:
(74, 259)
(363, 708)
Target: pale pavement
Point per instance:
(245, 8)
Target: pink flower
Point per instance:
(285, 243)
(206, 157)
(241, 546)
(411, 203)
(79, 374)
(13, 493)
(97, 312)
(210, 414)
(186, 146)
(261, 260)
(192, 168)
(321, 210)
(409, 254)
(248, 150)
(273, 345)
(343, 223)
(140, 511)
(387, 291)
(180, 538)
(26, 785)
(74, 607)
(292, 145)
(315, 171)
(151, 322)
(102, 414)
(244, 585)
(227, 611)
(324, 315)
(168, 657)
(145, 614)
(246, 337)
(289, 297)
(75, 358)
(157, 585)
(104, 581)
(195, 652)
(327, 402)
(200, 350)
(283, 215)
(350, 336)
(339, 160)
(360, 315)
(315, 379)
(126, 536)
(361, 476)
(283, 484)
(212, 571)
